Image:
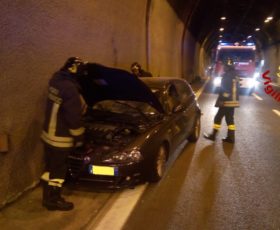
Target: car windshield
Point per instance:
(126, 107)
(236, 54)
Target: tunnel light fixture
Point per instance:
(222, 29)
(257, 29)
(268, 19)
(223, 18)
(220, 36)
(249, 36)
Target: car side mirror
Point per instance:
(178, 109)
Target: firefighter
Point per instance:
(62, 130)
(228, 99)
(137, 70)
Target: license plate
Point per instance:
(103, 170)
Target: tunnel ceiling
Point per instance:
(203, 19)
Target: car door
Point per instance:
(187, 99)
(177, 126)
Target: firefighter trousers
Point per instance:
(56, 163)
(227, 112)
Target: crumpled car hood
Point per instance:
(105, 83)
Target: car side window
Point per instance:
(173, 98)
(185, 92)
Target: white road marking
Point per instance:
(276, 112)
(199, 92)
(116, 214)
(257, 97)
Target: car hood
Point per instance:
(105, 83)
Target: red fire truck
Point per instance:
(244, 58)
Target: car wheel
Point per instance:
(195, 131)
(158, 165)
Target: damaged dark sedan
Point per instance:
(132, 125)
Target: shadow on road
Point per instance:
(228, 149)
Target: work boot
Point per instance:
(44, 183)
(211, 136)
(52, 199)
(230, 137)
(45, 190)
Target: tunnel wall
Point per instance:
(272, 61)
(194, 58)
(36, 38)
(165, 34)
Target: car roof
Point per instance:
(161, 82)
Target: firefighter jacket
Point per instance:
(63, 116)
(229, 90)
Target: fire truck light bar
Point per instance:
(253, 47)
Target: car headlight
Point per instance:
(256, 75)
(217, 81)
(252, 82)
(134, 155)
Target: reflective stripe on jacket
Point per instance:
(229, 91)
(63, 115)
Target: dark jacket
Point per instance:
(63, 116)
(229, 91)
(144, 73)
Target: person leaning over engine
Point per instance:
(62, 130)
(137, 70)
(228, 99)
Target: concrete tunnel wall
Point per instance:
(37, 37)
(271, 58)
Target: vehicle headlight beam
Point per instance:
(217, 81)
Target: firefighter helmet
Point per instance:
(228, 62)
(135, 66)
(73, 65)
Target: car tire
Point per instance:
(158, 165)
(195, 130)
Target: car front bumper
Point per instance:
(113, 176)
